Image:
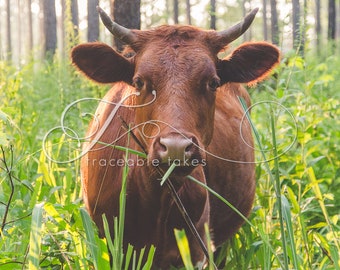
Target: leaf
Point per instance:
(183, 246)
(167, 173)
(128, 256)
(141, 254)
(97, 247)
(288, 219)
(107, 234)
(3, 139)
(212, 266)
(35, 238)
(295, 205)
(149, 260)
(3, 116)
(50, 210)
(314, 161)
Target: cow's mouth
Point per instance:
(179, 167)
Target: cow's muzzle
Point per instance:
(182, 150)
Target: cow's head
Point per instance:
(179, 67)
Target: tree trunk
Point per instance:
(92, 21)
(75, 19)
(112, 12)
(318, 25)
(62, 26)
(296, 24)
(265, 25)
(274, 23)
(1, 48)
(18, 32)
(188, 11)
(304, 28)
(8, 31)
(212, 14)
(168, 10)
(41, 37)
(29, 28)
(247, 35)
(127, 14)
(50, 28)
(176, 11)
(338, 21)
(331, 20)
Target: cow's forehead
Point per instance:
(175, 36)
(173, 61)
(168, 32)
(174, 46)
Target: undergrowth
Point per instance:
(295, 220)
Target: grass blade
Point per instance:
(141, 254)
(118, 253)
(261, 234)
(275, 178)
(107, 234)
(277, 184)
(320, 198)
(167, 173)
(183, 246)
(97, 247)
(288, 219)
(209, 245)
(128, 256)
(149, 260)
(35, 238)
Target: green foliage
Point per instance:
(306, 176)
(295, 220)
(184, 249)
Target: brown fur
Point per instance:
(181, 65)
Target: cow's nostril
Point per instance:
(162, 147)
(189, 148)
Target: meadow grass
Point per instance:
(295, 220)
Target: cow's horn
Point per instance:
(120, 32)
(238, 29)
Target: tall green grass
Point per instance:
(295, 220)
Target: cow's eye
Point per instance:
(138, 83)
(214, 83)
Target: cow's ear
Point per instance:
(249, 63)
(101, 63)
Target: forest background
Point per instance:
(295, 220)
(33, 28)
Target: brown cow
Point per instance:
(181, 102)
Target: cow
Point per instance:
(177, 101)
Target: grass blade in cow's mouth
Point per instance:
(167, 173)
